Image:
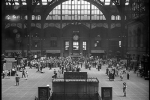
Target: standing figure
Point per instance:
(81, 64)
(62, 69)
(38, 66)
(99, 66)
(26, 72)
(90, 66)
(17, 79)
(23, 73)
(3, 74)
(55, 74)
(121, 75)
(128, 75)
(107, 70)
(124, 88)
(30, 64)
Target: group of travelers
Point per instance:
(117, 68)
(69, 64)
(24, 75)
(95, 63)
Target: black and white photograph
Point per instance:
(75, 50)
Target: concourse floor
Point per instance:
(137, 87)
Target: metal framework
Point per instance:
(40, 9)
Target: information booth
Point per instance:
(10, 65)
(75, 86)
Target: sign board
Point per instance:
(76, 54)
(10, 59)
(106, 93)
(75, 75)
(97, 51)
(8, 65)
(43, 93)
(52, 51)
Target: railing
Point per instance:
(62, 96)
(76, 80)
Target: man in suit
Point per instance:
(124, 88)
(17, 79)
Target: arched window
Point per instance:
(76, 10)
(7, 17)
(38, 17)
(118, 17)
(18, 17)
(107, 2)
(112, 17)
(44, 2)
(127, 2)
(26, 17)
(33, 17)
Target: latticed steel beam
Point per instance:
(51, 5)
(99, 2)
(120, 4)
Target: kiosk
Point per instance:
(75, 86)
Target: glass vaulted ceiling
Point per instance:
(76, 10)
(45, 2)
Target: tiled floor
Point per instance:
(137, 87)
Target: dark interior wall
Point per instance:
(51, 33)
(103, 36)
(99, 31)
(36, 40)
(68, 31)
(114, 35)
(115, 32)
(137, 39)
(9, 41)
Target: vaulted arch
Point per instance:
(55, 3)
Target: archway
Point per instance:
(93, 2)
(75, 40)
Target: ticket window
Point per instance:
(75, 45)
(66, 45)
(84, 45)
(97, 43)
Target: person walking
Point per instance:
(23, 73)
(99, 66)
(26, 73)
(124, 88)
(49, 90)
(62, 69)
(128, 75)
(55, 74)
(121, 75)
(81, 64)
(30, 64)
(17, 80)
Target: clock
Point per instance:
(75, 37)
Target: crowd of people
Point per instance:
(117, 69)
(65, 64)
(69, 64)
